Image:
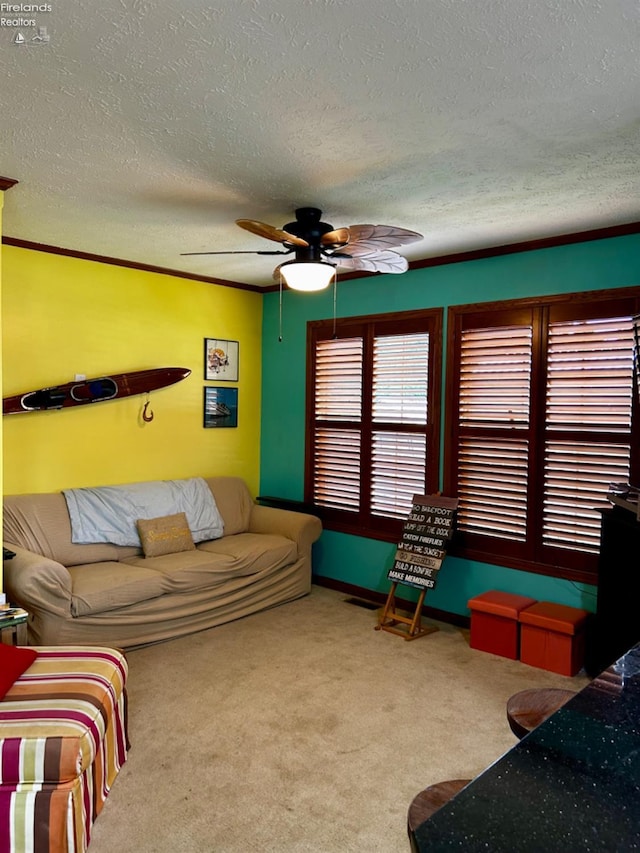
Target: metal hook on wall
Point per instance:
(147, 418)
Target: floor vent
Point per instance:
(359, 602)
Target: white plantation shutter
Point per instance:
(493, 478)
(338, 389)
(589, 390)
(338, 397)
(399, 396)
(400, 378)
(494, 402)
(337, 481)
(576, 479)
(495, 376)
(590, 375)
(397, 472)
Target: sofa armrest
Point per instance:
(300, 527)
(37, 583)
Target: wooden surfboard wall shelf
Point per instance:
(90, 391)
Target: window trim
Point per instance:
(428, 319)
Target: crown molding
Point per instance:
(7, 183)
(119, 262)
(439, 260)
(530, 245)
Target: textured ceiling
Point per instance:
(144, 129)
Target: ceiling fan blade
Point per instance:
(389, 262)
(364, 239)
(335, 254)
(240, 252)
(335, 238)
(269, 232)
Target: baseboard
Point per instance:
(401, 603)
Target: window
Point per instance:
(373, 415)
(540, 417)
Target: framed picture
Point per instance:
(220, 406)
(221, 360)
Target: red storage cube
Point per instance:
(552, 637)
(494, 622)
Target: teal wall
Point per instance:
(593, 265)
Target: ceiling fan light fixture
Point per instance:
(307, 276)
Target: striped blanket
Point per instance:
(63, 740)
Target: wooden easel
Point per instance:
(390, 618)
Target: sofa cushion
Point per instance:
(169, 534)
(233, 501)
(40, 523)
(189, 570)
(253, 552)
(99, 587)
(220, 560)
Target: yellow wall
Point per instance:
(1, 248)
(64, 316)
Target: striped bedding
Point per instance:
(63, 740)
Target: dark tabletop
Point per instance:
(573, 784)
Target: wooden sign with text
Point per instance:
(423, 545)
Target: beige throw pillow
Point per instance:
(166, 535)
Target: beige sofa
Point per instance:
(113, 595)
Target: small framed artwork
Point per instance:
(221, 360)
(220, 406)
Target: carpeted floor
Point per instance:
(302, 729)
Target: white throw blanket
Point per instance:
(109, 513)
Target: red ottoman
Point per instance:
(552, 637)
(494, 622)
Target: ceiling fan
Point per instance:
(357, 247)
